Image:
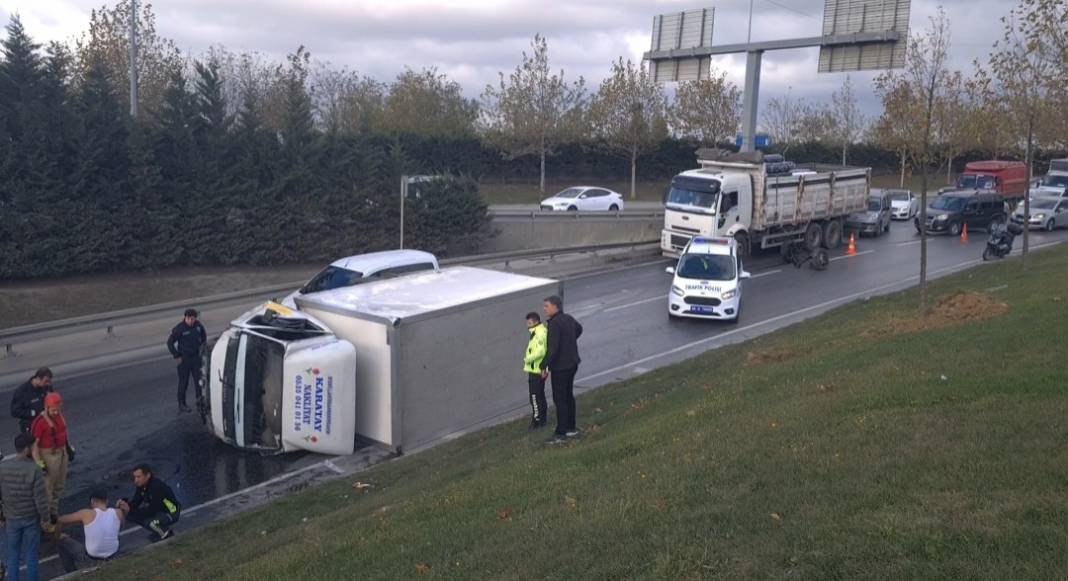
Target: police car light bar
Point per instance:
(720, 241)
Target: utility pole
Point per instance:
(133, 59)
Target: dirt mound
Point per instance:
(754, 358)
(959, 308)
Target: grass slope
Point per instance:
(823, 451)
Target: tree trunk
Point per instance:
(1027, 188)
(923, 241)
(949, 170)
(541, 182)
(844, 149)
(902, 184)
(633, 174)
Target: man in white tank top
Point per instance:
(101, 524)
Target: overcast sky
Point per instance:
(471, 40)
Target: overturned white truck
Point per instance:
(761, 201)
(397, 363)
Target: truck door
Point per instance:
(728, 211)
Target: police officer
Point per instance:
(186, 342)
(153, 505)
(28, 401)
(536, 348)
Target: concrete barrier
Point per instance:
(538, 230)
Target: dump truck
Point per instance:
(761, 202)
(397, 363)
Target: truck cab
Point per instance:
(705, 202)
(707, 281)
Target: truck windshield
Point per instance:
(1055, 181)
(706, 267)
(950, 203)
(693, 199)
(332, 277)
(251, 386)
(976, 182)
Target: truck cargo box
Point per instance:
(436, 353)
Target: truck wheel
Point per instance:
(743, 244)
(786, 251)
(813, 236)
(832, 235)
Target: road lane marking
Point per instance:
(739, 330)
(766, 273)
(636, 303)
(844, 256)
(908, 243)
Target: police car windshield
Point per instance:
(682, 197)
(706, 267)
(332, 277)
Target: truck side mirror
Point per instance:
(670, 270)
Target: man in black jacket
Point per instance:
(28, 400)
(153, 506)
(186, 342)
(561, 362)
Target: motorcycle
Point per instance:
(796, 254)
(1002, 235)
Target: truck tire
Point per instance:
(832, 234)
(786, 251)
(813, 236)
(743, 244)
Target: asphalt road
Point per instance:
(125, 415)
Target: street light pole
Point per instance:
(749, 37)
(403, 195)
(133, 59)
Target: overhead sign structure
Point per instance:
(691, 29)
(857, 35)
(864, 16)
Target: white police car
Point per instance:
(708, 280)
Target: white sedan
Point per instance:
(904, 204)
(585, 199)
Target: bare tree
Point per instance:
(780, 119)
(427, 103)
(629, 113)
(707, 110)
(533, 110)
(954, 116)
(919, 90)
(1022, 65)
(894, 129)
(345, 102)
(848, 122)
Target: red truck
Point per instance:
(1008, 178)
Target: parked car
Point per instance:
(584, 199)
(904, 203)
(1046, 213)
(949, 212)
(363, 268)
(875, 220)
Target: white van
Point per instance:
(708, 280)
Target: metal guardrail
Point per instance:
(109, 320)
(575, 216)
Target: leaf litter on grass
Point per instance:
(953, 310)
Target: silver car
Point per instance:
(875, 220)
(1046, 213)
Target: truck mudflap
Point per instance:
(280, 381)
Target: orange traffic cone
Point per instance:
(852, 244)
(964, 234)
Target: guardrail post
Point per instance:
(111, 332)
(9, 350)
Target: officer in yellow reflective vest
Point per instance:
(537, 346)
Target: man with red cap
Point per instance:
(52, 449)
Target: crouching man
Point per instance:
(153, 505)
